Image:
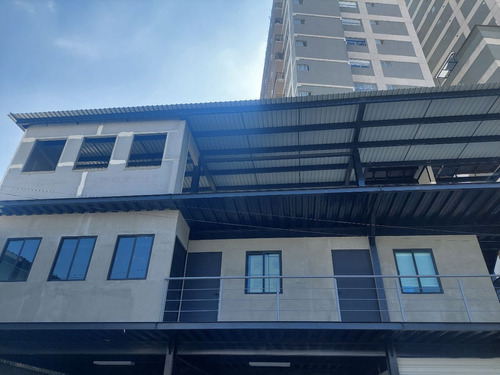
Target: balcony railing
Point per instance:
(342, 298)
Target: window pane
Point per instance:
(17, 259)
(64, 259)
(425, 266)
(272, 268)
(406, 267)
(255, 268)
(82, 259)
(122, 258)
(140, 258)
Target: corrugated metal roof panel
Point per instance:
(429, 152)
(222, 143)
(495, 108)
(481, 150)
(327, 136)
(368, 155)
(328, 115)
(325, 161)
(230, 165)
(335, 175)
(278, 178)
(276, 163)
(273, 140)
(488, 128)
(460, 106)
(210, 122)
(388, 133)
(267, 119)
(235, 180)
(447, 130)
(395, 110)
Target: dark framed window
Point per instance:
(417, 262)
(131, 258)
(17, 258)
(73, 258)
(44, 156)
(263, 263)
(95, 153)
(147, 150)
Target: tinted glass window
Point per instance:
(131, 257)
(263, 264)
(417, 262)
(17, 259)
(73, 258)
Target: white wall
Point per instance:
(96, 299)
(115, 180)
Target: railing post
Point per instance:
(337, 300)
(219, 307)
(465, 299)
(403, 319)
(164, 301)
(278, 287)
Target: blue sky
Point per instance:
(75, 54)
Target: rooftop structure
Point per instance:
(344, 233)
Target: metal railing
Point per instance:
(353, 298)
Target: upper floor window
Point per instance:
(305, 93)
(17, 258)
(351, 22)
(355, 41)
(44, 156)
(263, 263)
(299, 21)
(298, 2)
(356, 63)
(147, 150)
(348, 4)
(413, 263)
(131, 258)
(95, 153)
(301, 43)
(73, 258)
(362, 86)
(303, 67)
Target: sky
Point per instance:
(79, 54)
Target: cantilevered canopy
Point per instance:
(375, 138)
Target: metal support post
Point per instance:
(278, 287)
(169, 361)
(337, 300)
(392, 359)
(219, 308)
(396, 281)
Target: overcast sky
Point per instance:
(77, 54)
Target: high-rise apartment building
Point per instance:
(330, 46)
(460, 39)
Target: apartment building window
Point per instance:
(385, 63)
(303, 67)
(17, 258)
(278, 21)
(348, 4)
(417, 262)
(374, 22)
(73, 258)
(355, 41)
(361, 86)
(299, 21)
(298, 2)
(147, 150)
(379, 42)
(351, 22)
(95, 153)
(301, 43)
(355, 63)
(131, 258)
(263, 263)
(305, 93)
(44, 156)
